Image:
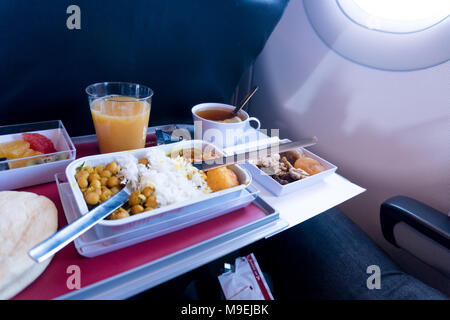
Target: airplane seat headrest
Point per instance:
(188, 52)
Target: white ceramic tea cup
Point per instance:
(219, 133)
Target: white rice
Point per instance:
(173, 179)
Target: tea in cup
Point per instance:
(215, 123)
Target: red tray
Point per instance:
(53, 281)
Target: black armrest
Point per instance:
(428, 221)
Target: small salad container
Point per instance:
(278, 189)
(35, 169)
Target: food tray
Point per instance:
(95, 242)
(273, 186)
(125, 272)
(38, 173)
(111, 227)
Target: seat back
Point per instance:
(188, 52)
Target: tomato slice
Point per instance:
(38, 142)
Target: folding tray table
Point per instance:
(130, 270)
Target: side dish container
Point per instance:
(39, 169)
(278, 189)
(174, 212)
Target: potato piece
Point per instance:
(99, 168)
(92, 198)
(143, 161)
(93, 176)
(151, 202)
(112, 167)
(82, 182)
(113, 182)
(105, 195)
(147, 192)
(119, 214)
(82, 174)
(105, 174)
(221, 178)
(137, 209)
(95, 184)
(115, 189)
(104, 181)
(88, 169)
(134, 198)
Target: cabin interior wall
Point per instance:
(386, 131)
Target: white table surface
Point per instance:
(300, 206)
(307, 202)
(293, 208)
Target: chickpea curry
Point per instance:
(101, 182)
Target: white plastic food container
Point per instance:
(40, 172)
(110, 227)
(278, 189)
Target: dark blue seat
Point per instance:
(327, 257)
(187, 51)
(324, 258)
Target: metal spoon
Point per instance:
(245, 100)
(61, 238)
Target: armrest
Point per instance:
(426, 220)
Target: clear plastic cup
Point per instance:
(120, 112)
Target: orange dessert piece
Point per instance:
(309, 165)
(221, 178)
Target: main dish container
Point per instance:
(110, 227)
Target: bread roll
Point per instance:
(25, 220)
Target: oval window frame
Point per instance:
(384, 50)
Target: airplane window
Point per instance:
(399, 16)
(395, 35)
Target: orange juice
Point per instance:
(120, 122)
